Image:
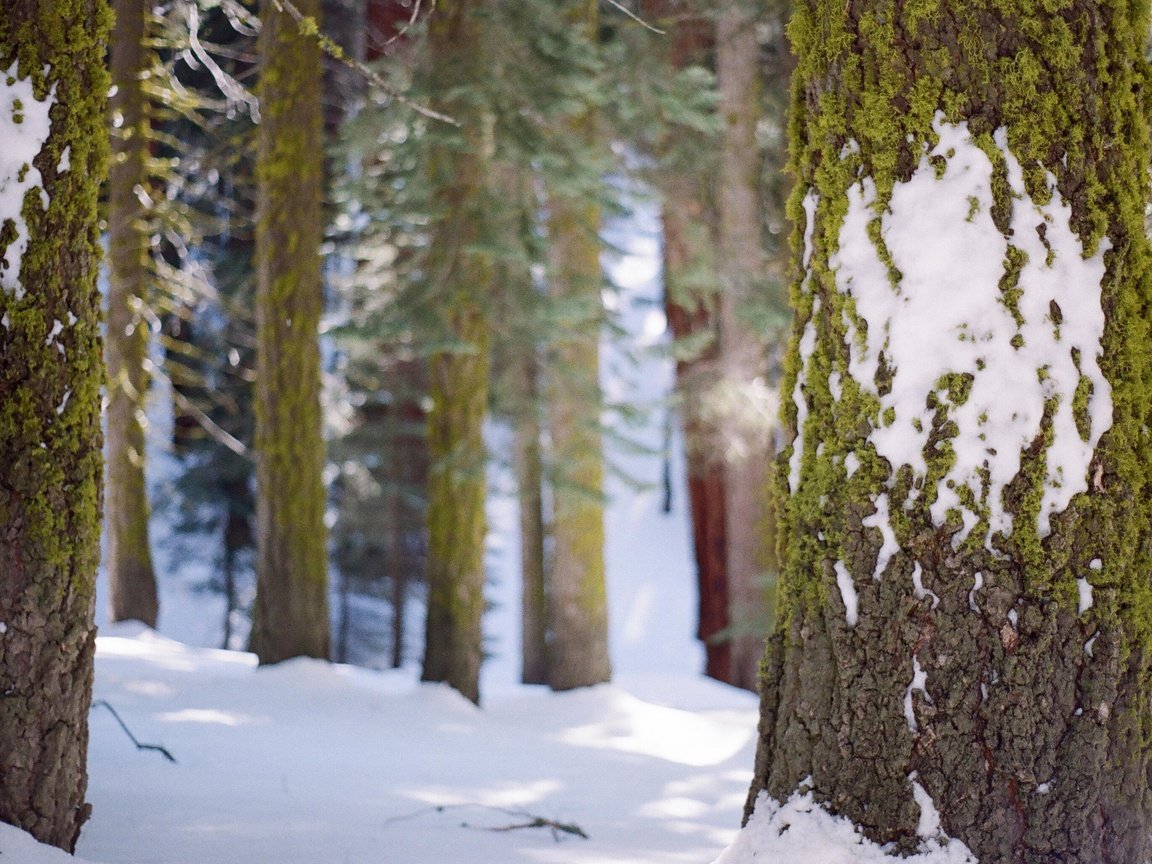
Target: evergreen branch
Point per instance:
(308, 27)
(635, 17)
(163, 751)
(219, 434)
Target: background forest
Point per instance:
(452, 278)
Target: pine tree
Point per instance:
(291, 614)
(131, 580)
(964, 617)
(53, 94)
(461, 275)
(578, 602)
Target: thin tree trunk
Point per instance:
(965, 598)
(743, 355)
(577, 594)
(291, 613)
(131, 579)
(529, 481)
(458, 57)
(50, 379)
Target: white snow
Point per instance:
(801, 831)
(1096, 564)
(1085, 590)
(977, 584)
(800, 398)
(24, 128)
(919, 683)
(948, 316)
(929, 825)
(918, 585)
(847, 594)
(890, 545)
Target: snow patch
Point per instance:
(1017, 357)
(802, 830)
(977, 584)
(25, 125)
(847, 594)
(929, 825)
(1085, 589)
(807, 347)
(1096, 564)
(919, 683)
(890, 546)
(918, 585)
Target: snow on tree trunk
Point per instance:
(965, 610)
(291, 611)
(52, 100)
(463, 279)
(131, 580)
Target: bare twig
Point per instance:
(222, 436)
(635, 17)
(163, 751)
(403, 31)
(556, 827)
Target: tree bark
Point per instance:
(964, 592)
(131, 579)
(578, 601)
(462, 276)
(50, 377)
(291, 612)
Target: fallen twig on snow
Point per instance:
(557, 828)
(163, 751)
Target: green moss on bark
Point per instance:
(1003, 642)
(50, 461)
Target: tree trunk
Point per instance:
(458, 58)
(965, 596)
(291, 612)
(577, 593)
(744, 395)
(529, 483)
(50, 379)
(131, 580)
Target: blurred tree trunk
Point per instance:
(50, 379)
(691, 299)
(458, 61)
(529, 482)
(131, 580)
(744, 397)
(577, 594)
(965, 625)
(291, 613)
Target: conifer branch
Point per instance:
(635, 17)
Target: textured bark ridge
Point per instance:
(291, 612)
(51, 63)
(131, 580)
(965, 639)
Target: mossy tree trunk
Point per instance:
(131, 579)
(53, 87)
(291, 612)
(966, 614)
(744, 394)
(458, 62)
(578, 603)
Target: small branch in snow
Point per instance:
(557, 828)
(163, 751)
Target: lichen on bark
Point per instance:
(50, 460)
(1029, 733)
